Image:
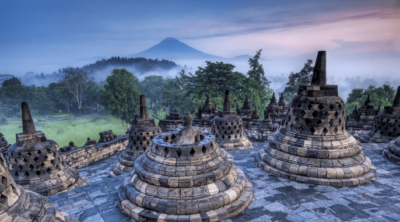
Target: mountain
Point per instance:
(173, 49)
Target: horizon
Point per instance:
(361, 39)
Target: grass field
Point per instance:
(77, 130)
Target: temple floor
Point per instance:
(275, 199)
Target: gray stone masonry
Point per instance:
(387, 124)
(36, 163)
(275, 198)
(205, 116)
(172, 122)
(3, 144)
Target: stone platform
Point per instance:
(275, 199)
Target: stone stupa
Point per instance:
(205, 116)
(392, 151)
(387, 124)
(313, 146)
(36, 162)
(361, 120)
(283, 108)
(228, 128)
(21, 205)
(185, 176)
(141, 134)
(3, 144)
(251, 121)
(174, 121)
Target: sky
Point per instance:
(362, 38)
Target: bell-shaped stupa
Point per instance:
(313, 145)
(141, 134)
(228, 128)
(174, 121)
(283, 108)
(205, 116)
(19, 204)
(387, 124)
(36, 162)
(361, 120)
(185, 176)
(392, 151)
(251, 121)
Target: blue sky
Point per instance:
(361, 37)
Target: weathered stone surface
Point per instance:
(79, 157)
(313, 145)
(18, 204)
(392, 151)
(228, 128)
(106, 136)
(361, 120)
(36, 162)
(141, 133)
(204, 116)
(251, 121)
(3, 144)
(174, 121)
(387, 124)
(178, 180)
(274, 116)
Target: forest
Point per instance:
(76, 93)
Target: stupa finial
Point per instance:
(143, 108)
(319, 75)
(227, 101)
(27, 121)
(396, 101)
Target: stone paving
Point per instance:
(275, 199)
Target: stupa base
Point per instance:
(70, 180)
(312, 180)
(119, 169)
(390, 156)
(230, 210)
(371, 138)
(245, 144)
(31, 206)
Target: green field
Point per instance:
(77, 130)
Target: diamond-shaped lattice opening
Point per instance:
(52, 162)
(35, 159)
(331, 122)
(309, 106)
(291, 126)
(20, 168)
(389, 134)
(326, 114)
(223, 137)
(192, 152)
(141, 143)
(336, 114)
(297, 120)
(166, 150)
(179, 152)
(340, 106)
(299, 105)
(331, 107)
(312, 130)
(340, 121)
(16, 174)
(308, 121)
(335, 130)
(29, 154)
(38, 173)
(42, 164)
(3, 199)
(48, 150)
(25, 160)
(39, 152)
(314, 114)
(156, 148)
(19, 154)
(26, 174)
(320, 106)
(4, 180)
(325, 131)
(31, 167)
(394, 130)
(303, 113)
(173, 137)
(204, 149)
(235, 136)
(49, 170)
(301, 129)
(46, 157)
(319, 122)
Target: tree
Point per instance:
(76, 80)
(174, 95)
(257, 85)
(296, 79)
(152, 87)
(11, 94)
(213, 80)
(383, 95)
(121, 95)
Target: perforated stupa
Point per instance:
(314, 146)
(36, 162)
(141, 134)
(185, 176)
